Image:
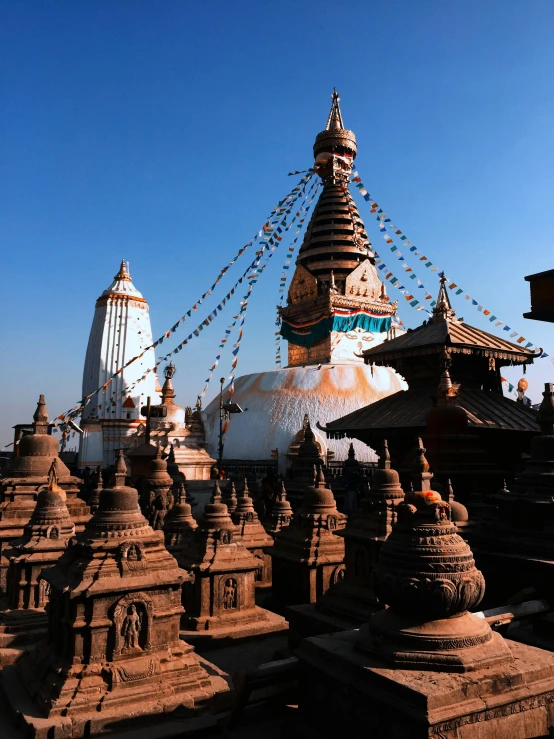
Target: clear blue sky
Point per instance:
(163, 132)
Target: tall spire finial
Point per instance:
(334, 121)
(384, 459)
(120, 470)
(40, 417)
(123, 273)
(443, 309)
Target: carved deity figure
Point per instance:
(131, 628)
(230, 594)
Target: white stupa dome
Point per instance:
(276, 402)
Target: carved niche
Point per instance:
(337, 575)
(303, 286)
(229, 593)
(363, 282)
(132, 624)
(131, 556)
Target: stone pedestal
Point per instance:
(254, 536)
(29, 473)
(308, 556)
(113, 653)
(347, 693)
(219, 598)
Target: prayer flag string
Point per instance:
(385, 222)
(263, 237)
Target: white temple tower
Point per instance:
(120, 331)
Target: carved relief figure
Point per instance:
(131, 628)
(230, 594)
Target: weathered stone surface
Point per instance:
(29, 473)
(219, 598)
(352, 600)
(308, 556)
(352, 694)
(113, 646)
(179, 524)
(254, 536)
(45, 538)
(156, 492)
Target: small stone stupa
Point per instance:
(113, 649)
(281, 513)
(179, 524)
(254, 536)
(45, 539)
(231, 499)
(27, 475)
(157, 497)
(300, 475)
(441, 667)
(219, 599)
(348, 603)
(178, 477)
(308, 556)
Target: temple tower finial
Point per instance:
(334, 121)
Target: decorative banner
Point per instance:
(254, 267)
(307, 333)
(384, 220)
(266, 236)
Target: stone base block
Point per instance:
(191, 714)
(268, 623)
(356, 695)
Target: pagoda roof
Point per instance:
(408, 409)
(453, 334)
(443, 331)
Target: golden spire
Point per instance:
(334, 121)
(443, 309)
(123, 273)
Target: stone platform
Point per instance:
(268, 624)
(20, 718)
(360, 696)
(20, 630)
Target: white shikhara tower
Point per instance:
(120, 331)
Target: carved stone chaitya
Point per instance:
(156, 496)
(306, 456)
(179, 524)
(219, 599)
(45, 539)
(254, 536)
(308, 556)
(426, 574)
(445, 672)
(349, 603)
(281, 513)
(178, 477)
(28, 474)
(113, 648)
(95, 490)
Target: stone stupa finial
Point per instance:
(120, 470)
(40, 417)
(421, 476)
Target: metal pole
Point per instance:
(221, 415)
